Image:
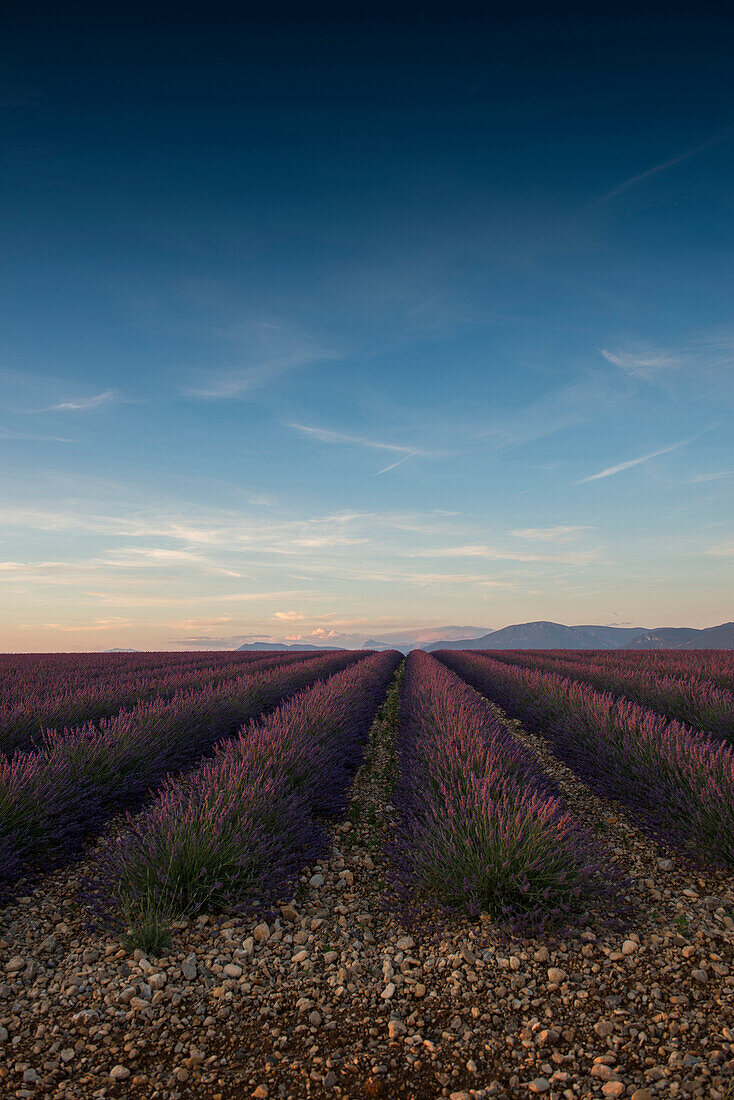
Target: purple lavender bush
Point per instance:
(678, 781)
(51, 800)
(241, 825)
(480, 826)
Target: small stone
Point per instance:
(15, 964)
(300, 956)
(314, 1018)
(396, 1028)
(460, 1096)
(232, 970)
(3, 1035)
(642, 1094)
(419, 990)
(86, 1017)
(613, 1088)
(388, 992)
(260, 1093)
(555, 974)
(289, 913)
(67, 1054)
(549, 1036)
(188, 969)
(664, 865)
(540, 1084)
(315, 881)
(261, 934)
(700, 975)
(600, 1069)
(406, 943)
(119, 1073)
(30, 1076)
(604, 1028)
(629, 947)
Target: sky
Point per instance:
(349, 321)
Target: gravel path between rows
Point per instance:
(334, 998)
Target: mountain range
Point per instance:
(538, 635)
(545, 635)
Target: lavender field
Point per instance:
(346, 873)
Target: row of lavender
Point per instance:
(235, 831)
(715, 665)
(678, 781)
(27, 713)
(691, 697)
(51, 800)
(58, 672)
(479, 824)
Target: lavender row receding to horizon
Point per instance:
(716, 665)
(678, 782)
(479, 823)
(28, 717)
(240, 826)
(693, 699)
(53, 799)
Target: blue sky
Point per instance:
(334, 324)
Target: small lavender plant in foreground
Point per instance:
(678, 781)
(480, 825)
(242, 824)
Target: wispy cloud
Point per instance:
(695, 370)
(718, 475)
(269, 351)
(561, 408)
(643, 362)
(326, 435)
(721, 135)
(97, 624)
(399, 462)
(493, 553)
(724, 550)
(558, 533)
(31, 438)
(84, 404)
(611, 470)
(157, 557)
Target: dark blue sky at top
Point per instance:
(413, 230)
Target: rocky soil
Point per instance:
(334, 997)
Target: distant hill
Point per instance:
(686, 637)
(276, 646)
(422, 639)
(545, 635)
(664, 637)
